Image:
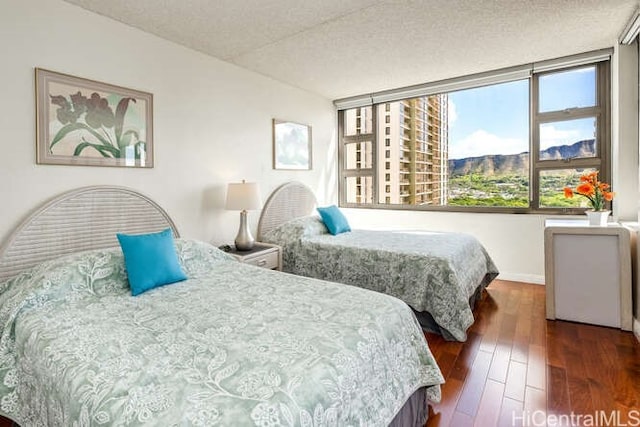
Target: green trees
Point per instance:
(509, 190)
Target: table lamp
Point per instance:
(243, 196)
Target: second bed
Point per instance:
(440, 275)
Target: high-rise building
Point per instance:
(411, 155)
(412, 158)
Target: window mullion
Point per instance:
(342, 198)
(357, 172)
(374, 154)
(534, 145)
(571, 114)
(587, 162)
(362, 137)
(604, 123)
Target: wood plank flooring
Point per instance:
(516, 362)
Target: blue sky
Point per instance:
(495, 119)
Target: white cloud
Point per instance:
(481, 142)
(550, 136)
(452, 112)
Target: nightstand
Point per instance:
(263, 255)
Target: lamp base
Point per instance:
(244, 240)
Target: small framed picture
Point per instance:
(89, 123)
(291, 145)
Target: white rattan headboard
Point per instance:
(289, 201)
(78, 220)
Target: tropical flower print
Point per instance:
(100, 128)
(432, 272)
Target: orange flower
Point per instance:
(568, 193)
(586, 189)
(594, 190)
(591, 177)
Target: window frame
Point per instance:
(345, 173)
(601, 111)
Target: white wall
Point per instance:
(212, 120)
(625, 131)
(625, 120)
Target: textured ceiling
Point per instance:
(339, 48)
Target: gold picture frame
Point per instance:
(292, 145)
(89, 123)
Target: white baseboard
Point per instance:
(636, 328)
(526, 278)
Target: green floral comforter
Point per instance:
(233, 345)
(433, 272)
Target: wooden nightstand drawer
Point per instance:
(269, 260)
(262, 255)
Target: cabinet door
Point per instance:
(587, 278)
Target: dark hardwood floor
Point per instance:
(515, 362)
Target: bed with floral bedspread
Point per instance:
(232, 345)
(436, 273)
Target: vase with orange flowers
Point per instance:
(597, 194)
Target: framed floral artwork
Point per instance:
(85, 122)
(291, 145)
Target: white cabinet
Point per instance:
(588, 273)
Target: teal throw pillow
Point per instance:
(151, 260)
(334, 220)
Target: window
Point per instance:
(471, 148)
(488, 146)
(569, 132)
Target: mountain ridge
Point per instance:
(508, 164)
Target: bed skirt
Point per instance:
(414, 412)
(429, 324)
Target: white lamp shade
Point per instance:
(243, 196)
